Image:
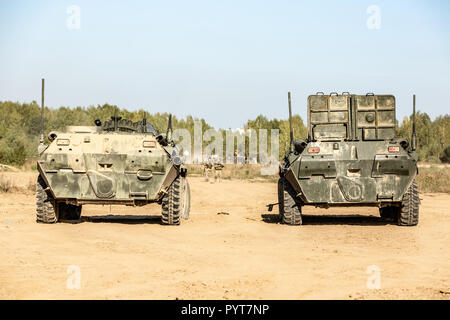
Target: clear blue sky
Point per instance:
(226, 61)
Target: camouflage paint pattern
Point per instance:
(93, 165)
(351, 156)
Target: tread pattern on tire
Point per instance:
(290, 210)
(171, 203)
(409, 211)
(45, 207)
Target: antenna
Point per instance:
(41, 140)
(144, 123)
(291, 132)
(169, 129)
(116, 120)
(413, 137)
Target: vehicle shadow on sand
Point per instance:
(353, 219)
(125, 219)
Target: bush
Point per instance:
(5, 183)
(445, 157)
(15, 155)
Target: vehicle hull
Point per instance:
(107, 168)
(351, 173)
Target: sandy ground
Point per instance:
(241, 253)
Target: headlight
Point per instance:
(149, 144)
(313, 150)
(62, 142)
(176, 160)
(394, 149)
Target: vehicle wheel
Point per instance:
(409, 211)
(176, 202)
(69, 211)
(389, 213)
(290, 210)
(45, 204)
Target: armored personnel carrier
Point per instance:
(115, 162)
(351, 157)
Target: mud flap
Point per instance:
(171, 176)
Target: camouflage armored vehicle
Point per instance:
(115, 162)
(351, 157)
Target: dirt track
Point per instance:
(244, 254)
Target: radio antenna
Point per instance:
(291, 130)
(413, 137)
(41, 140)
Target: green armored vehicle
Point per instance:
(115, 162)
(351, 157)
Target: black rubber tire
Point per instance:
(69, 211)
(45, 204)
(408, 213)
(290, 210)
(173, 208)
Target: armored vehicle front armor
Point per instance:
(115, 162)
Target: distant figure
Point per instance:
(218, 166)
(207, 168)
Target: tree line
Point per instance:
(20, 127)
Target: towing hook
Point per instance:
(271, 205)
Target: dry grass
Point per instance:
(434, 179)
(31, 186)
(6, 184)
(29, 166)
(9, 184)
